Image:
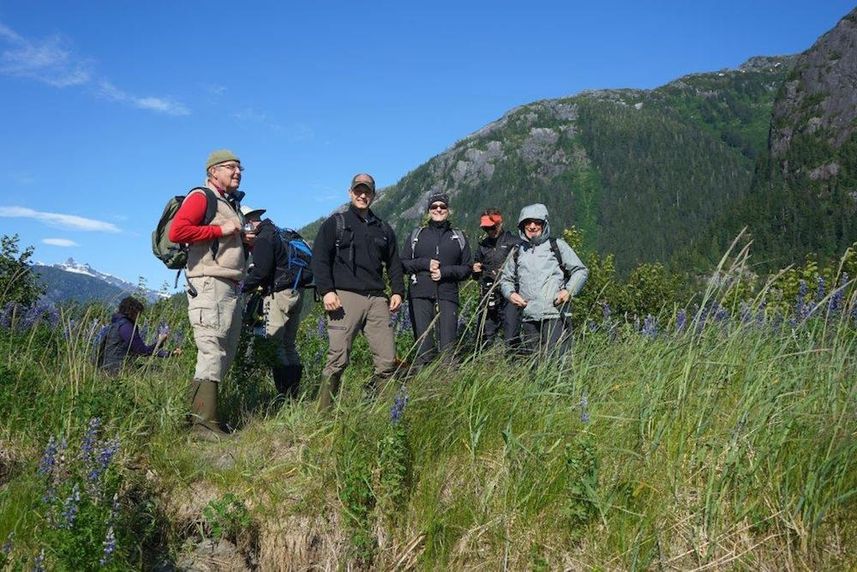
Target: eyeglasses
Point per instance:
(362, 191)
(232, 167)
(531, 221)
(438, 207)
(489, 228)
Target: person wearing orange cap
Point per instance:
(495, 313)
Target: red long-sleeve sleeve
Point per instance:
(187, 227)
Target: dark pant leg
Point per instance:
(422, 314)
(530, 336)
(447, 325)
(552, 336)
(511, 325)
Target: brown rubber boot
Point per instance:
(328, 391)
(203, 408)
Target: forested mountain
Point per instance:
(670, 174)
(804, 196)
(77, 282)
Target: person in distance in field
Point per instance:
(123, 343)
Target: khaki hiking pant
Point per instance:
(360, 312)
(282, 318)
(215, 316)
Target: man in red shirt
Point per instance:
(216, 264)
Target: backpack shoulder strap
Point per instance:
(516, 250)
(210, 211)
(459, 236)
(558, 255)
(415, 237)
(340, 228)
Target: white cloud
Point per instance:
(71, 222)
(53, 62)
(159, 104)
(64, 242)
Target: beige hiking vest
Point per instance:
(230, 261)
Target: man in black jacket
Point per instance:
(282, 298)
(490, 256)
(437, 258)
(348, 260)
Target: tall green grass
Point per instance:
(725, 445)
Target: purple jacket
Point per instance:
(123, 339)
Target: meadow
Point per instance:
(716, 434)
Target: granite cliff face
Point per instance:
(804, 198)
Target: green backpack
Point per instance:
(174, 255)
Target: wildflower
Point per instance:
(103, 461)
(760, 312)
(39, 562)
(102, 331)
(605, 311)
(584, 409)
(109, 547)
(650, 326)
(322, 330)
(820, 289)
(68, 330)
(163, 329)
(41, 311)
(88, 445)
(7, 546)
(838, 295)
(721, 314)
(592, 326)
(399, 405)
(9, 311)
(680, 320)
(70, 507)
(746, 312)
(801, 309)
(46, 466)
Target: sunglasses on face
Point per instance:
(438, 207)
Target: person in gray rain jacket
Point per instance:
(540, 277)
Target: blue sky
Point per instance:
(112, 106)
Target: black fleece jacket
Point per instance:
(437, 240)
(492, 253)
(268, 254)
(368, 245)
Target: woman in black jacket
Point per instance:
(437, 257)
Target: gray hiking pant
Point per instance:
(371, 314)
(215, 316)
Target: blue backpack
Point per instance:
(297, 272)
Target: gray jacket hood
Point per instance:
(537, 211)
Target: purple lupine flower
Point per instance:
(760, 312)
(605, 311)
(109, 547)
(721, 314)
(321, 328)
(680, 320)
(70, 508)
(46, 466)
(746, 312)
(41, 311)
(399, 405)
(87, 447)
(592, 326)
(8, 313)
(100, 464)
(584, 408)
(102, 331)
(7, 546)
(163, 329)
(650, 326)
(39, 562)
(838, 296)
(801, 310)
(68, 330)
(820, 290)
